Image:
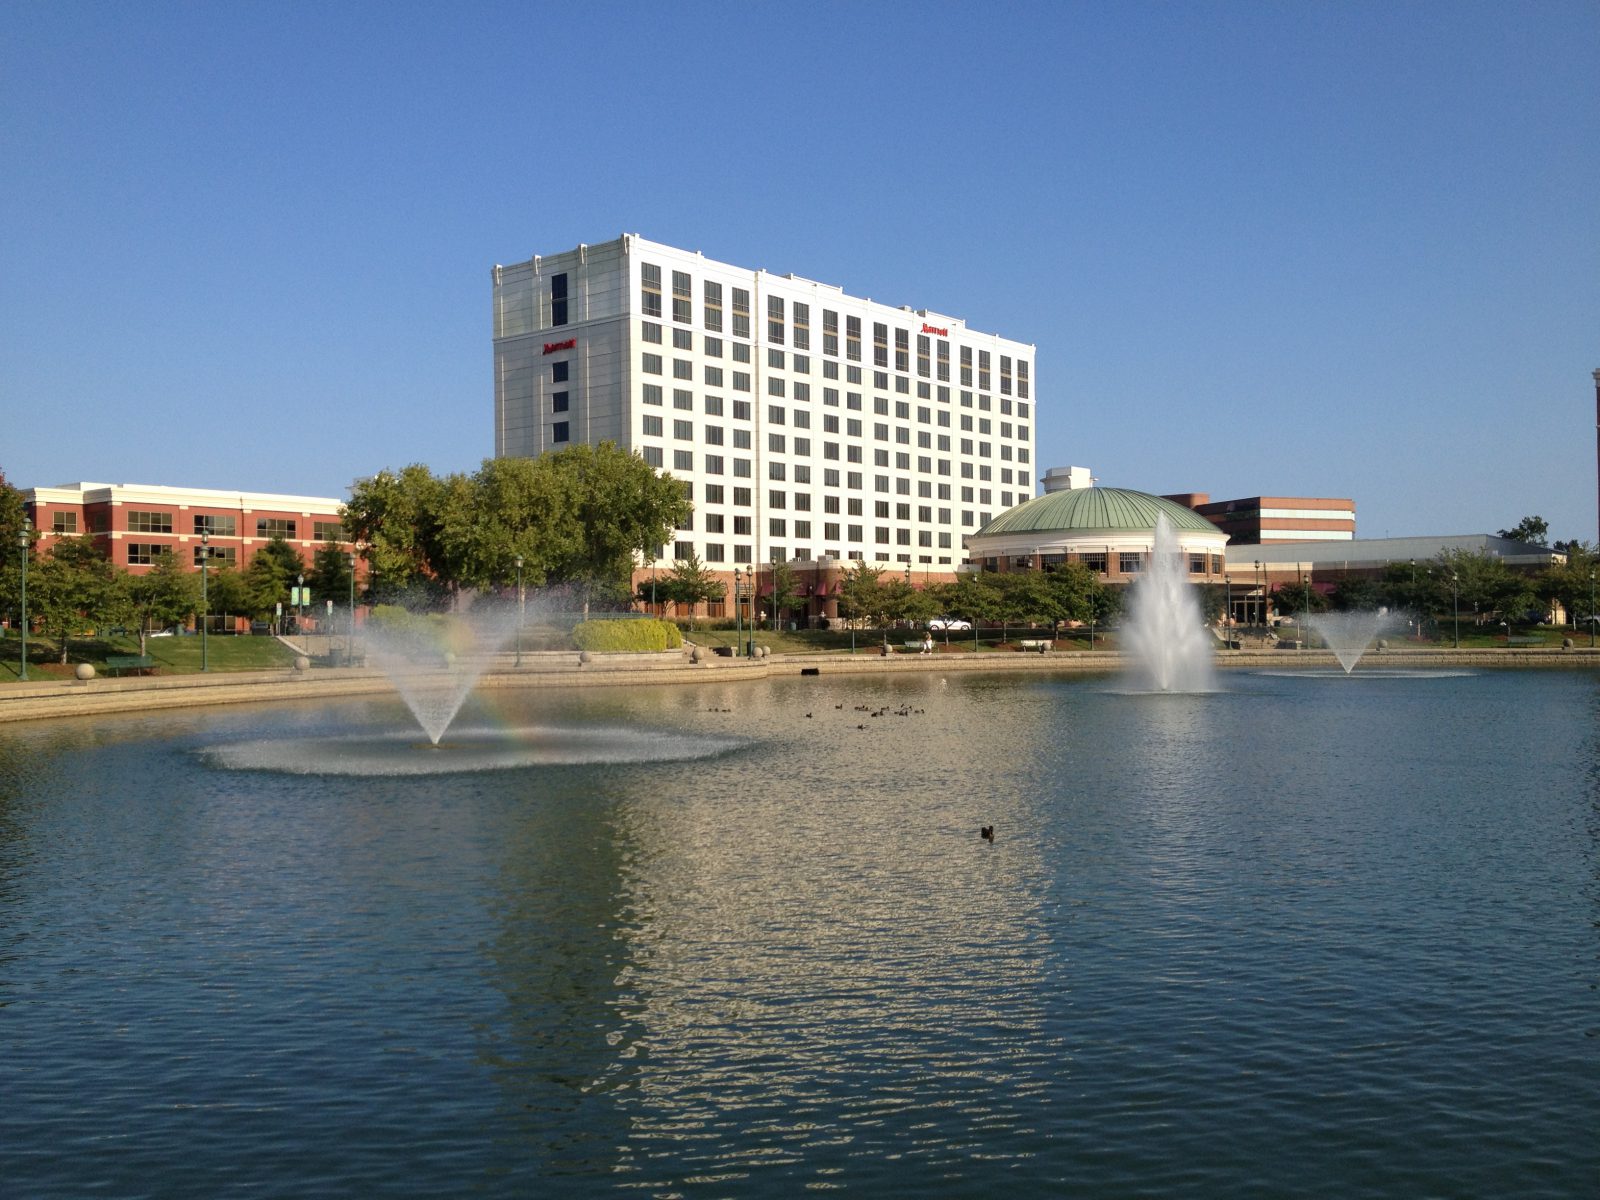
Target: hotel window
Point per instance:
(802, 446)
(741, 313)
(902, 350)
(223, 554)
(67, 522)
(652, 393)
(983, 370)
(683, 431)
(830, 333)
(714, 554)
(944, 361)
(149, 522)
(852, 340)
(775, 385)
(682, 339)
(1130, 562)
(1022, 384)
(802, 364)
(777, 527)
(711, 347)
(778, 471)
(558, 431)
(741, 352)
(880, 345)
(558, 372)
(1197, 564)
(652, 364)
(558, 299)
(143, 554)
(327, 531)
(651, 426)
(713, 376)
(713, 464)
(216, 526)
(966, 368)
(714, 523)
(741, 381)
(741, 468)
(777, 443)
(712, 307)
(713, 493)
(651, 456)
(1005, 375)
(802, 391)
(683, 399)
(682, 295)
(802, 326)
(775, 414)
(775, 320)
(683, 460)
(558, 402)
(650, 289)
(924, 355)
(775, 359)
(682, 368)
(651, 332)
(713, 435)
(273, 527)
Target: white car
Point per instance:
(949, 625)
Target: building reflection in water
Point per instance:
(719, 966)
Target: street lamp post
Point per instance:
(1261, 596)
(750, 619)
(1591, 611)
(1305, 616)
(1506, 625)
(738, 616)
(350, 642)
(26, 543)
(521, 609)
(205, 597)
(1455, 600)
(300, 604)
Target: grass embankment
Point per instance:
(172, 655)
(870, 641)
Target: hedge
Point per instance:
(636, 636)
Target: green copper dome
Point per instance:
(1095, 510)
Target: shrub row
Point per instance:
(635, 636)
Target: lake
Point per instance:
(1306, 936)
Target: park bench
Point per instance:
(1524, 641)
(1036, 644)
(130, 662)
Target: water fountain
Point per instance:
(1165, 635)
(434, 660)
(1349, 634)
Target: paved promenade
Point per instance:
(56, 698)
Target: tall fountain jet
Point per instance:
(1166, 635)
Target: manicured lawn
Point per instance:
(172, 655)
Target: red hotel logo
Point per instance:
(551, 347)
(928, 329)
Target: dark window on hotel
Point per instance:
(558, 372)
(149, 522)
(558, 299)
(327, 531)
(64, 522)
(215, 526)
(143, 554)
(558, 432)
(274, 527)
(650, 289)
(558, 402)
(681, 296)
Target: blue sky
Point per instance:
(1303, 248)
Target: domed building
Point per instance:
(1109, 530)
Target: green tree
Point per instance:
(861, 593)
(1070, 589)
(1571, 584)
(688, 583)
(73, 587)
(782, 593)
(267, 582)
(1296, 598)
(1483, 584)
(1533, 530)
(330, 575)
(12, 512)
(394, 516)
(227, 592)
(1355, 593)
(164, 595)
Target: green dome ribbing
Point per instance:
(1095, 510)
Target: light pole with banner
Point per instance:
(205, 597)
(26, 542)
(520, 610)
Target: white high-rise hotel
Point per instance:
(807, 424)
